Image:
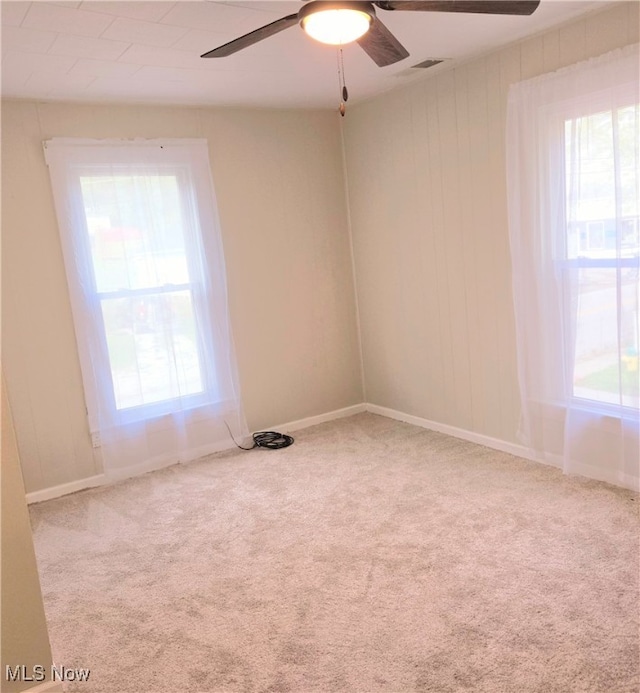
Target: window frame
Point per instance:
(161, 408)
(557, 116)
(67, 159)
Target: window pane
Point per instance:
(606, 347)
(602, 181)
(629, 152)
(152, 344)
(629, 335)
(136, 230)
(590, 184)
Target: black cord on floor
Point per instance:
(272, 440)
(265, 439)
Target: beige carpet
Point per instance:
(369, 556)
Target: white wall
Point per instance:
(428, 213)
(428, 207)
(25, 640)
(278, 178)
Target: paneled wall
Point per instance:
(23, 633)
(427, 183)
(427, 189)
(278, 179)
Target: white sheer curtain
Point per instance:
(146, 274)
(573, 171)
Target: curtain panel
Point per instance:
(573, 177)
(145, 268)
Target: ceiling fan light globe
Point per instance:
(337, 26)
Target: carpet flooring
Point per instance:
(369, 556)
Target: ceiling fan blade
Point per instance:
(381, 45)
(471, 6)
(253, 37)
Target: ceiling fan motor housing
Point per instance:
(335, 22)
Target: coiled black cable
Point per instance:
(271, 439)
(265, 439)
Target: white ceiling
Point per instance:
(149, 51)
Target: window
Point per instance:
(145, 269)
(602, 249)
(573, 180)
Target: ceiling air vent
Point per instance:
(428, 63)
(425, 64)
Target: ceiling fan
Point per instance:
(339, 23)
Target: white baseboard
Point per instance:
(65, 489)
(162, 462)
(625, 481)
(101, 479)
(321, 418)
(471, 436)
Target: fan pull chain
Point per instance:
(341, 83)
